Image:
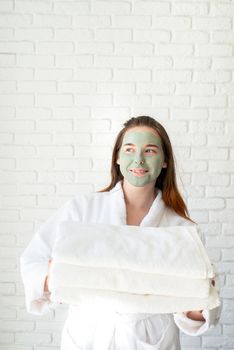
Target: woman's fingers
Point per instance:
(195, 315)
(46, 285)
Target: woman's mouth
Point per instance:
(139, 171)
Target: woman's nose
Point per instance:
(139, 158)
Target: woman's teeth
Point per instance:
(139, 171)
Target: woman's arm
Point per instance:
(196, 328)
(198, 322)
(34, 269)
(35, 258)
(197, 315)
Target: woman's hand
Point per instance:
(46, 288)
(195, 315)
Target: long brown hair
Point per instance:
(166, 181)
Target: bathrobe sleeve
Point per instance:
(35, 258)
(196, 328)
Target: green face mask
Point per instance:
(141, 157)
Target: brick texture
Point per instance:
(71, 72)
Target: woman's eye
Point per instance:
(129, 150)
(150, 150)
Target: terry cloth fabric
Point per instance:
(132, 268)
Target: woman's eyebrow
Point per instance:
(129, 144)
(149, 145)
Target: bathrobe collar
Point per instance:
(152, 218)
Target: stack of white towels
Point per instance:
(132, 269)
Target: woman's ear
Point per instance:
(164, 165)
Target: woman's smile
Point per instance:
(139, 171)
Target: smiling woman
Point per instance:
(141, 156)
(143, 192)
(143, 143)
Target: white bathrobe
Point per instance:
(89, 329)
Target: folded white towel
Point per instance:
(69, 275)
(174, 250)
(132, 303)
(143, 269)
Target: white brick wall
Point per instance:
(71, 73)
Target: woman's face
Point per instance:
(141, 157)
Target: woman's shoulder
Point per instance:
(172, 218)
(88, 198)
(98, 194)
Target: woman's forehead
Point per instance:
(139, 134)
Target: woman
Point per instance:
(143, 191)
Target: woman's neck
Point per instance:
(139, 197)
